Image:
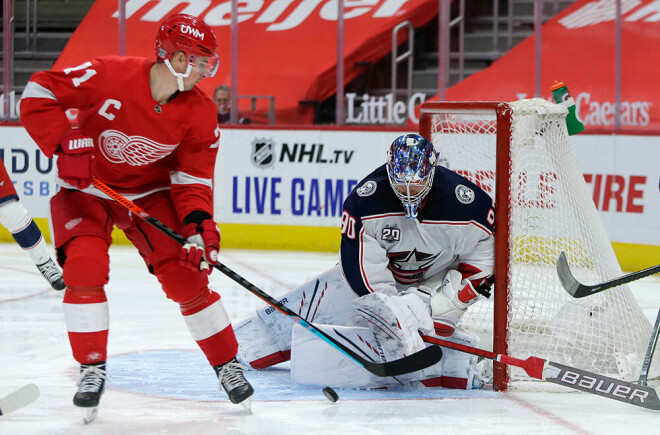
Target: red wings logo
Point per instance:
(134, 150)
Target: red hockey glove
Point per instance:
(203, 245)
(75, 162)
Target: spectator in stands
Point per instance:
(222, 98)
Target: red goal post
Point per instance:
(521, 155)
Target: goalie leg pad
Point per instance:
(324, 299)
(257, 345)
(315, 363)
(460, 368)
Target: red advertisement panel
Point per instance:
(578, 48)
(286, 48)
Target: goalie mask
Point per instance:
(410, 166)
(194, 38)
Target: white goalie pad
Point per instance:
(315, 362)
(325, 299)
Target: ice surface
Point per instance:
(161, 383)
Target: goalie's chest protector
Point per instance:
(456, 216)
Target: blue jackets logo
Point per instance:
(464, 194)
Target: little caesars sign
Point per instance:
(367, 109)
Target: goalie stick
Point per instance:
(411, 363)
(18, 399)
(570, 377)
(579, 290)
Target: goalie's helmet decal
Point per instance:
(411, 162)
(182, 32)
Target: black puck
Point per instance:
(330, 394)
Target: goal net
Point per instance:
(520, 154)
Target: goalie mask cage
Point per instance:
(520, 154)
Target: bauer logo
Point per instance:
(601, 385)
(263, 151)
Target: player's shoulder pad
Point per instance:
(199, 99)
(373, 195)
(455, 198)
(128, 64)
(200, 107)
(197, 94)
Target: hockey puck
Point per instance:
(330, 394)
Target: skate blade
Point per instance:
(247, 404)
(89, 414)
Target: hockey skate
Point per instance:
(234, 383)
(52, 273)
(90, 388)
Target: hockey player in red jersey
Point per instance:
(417, 249)
(149, 133)
(15, 217)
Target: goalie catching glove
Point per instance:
(395, 322)
(201, 250)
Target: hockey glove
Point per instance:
(450, 303)
(201, 251)
(75, 162)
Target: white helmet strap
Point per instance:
(179, 76)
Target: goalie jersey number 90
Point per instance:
(348, 225)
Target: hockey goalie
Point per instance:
(417, 249)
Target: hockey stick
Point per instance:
(411, 363)
(570, 377)
(649, 352)
(18, 399)
(579, 290)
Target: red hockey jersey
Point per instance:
(140, 145)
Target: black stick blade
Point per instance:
(579, 290)
(568, 281)
(411, 363)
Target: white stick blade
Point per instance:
(18, 399)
